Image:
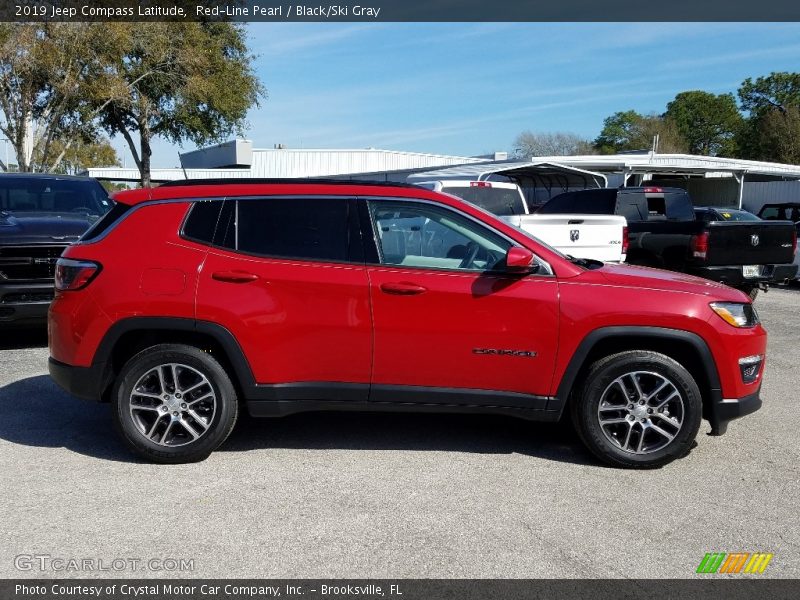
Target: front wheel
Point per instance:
(638, 409)
(174, 404)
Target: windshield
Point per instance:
(19, 194)
(735, 215)
(502, 202)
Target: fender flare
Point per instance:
(227, 341)
(578, 360)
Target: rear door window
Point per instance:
(295, 227)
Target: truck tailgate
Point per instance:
(582, 236)
(750, 243)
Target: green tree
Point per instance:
(776, 135)
(44, 71)
(775, 91)
(83, 154)
(772, 103)
(179, 81)
(528, 144)
(707, 122)
(628, 130)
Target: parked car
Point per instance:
(313, 295)
(40, 215)
(597, 237)
(664, 232)
(786, 211)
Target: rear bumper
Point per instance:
(88, 383)
(725, 410)
(25, 304)
(732, 275)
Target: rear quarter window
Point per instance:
(201, 223)
(117, 212)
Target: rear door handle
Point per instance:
(402, 289)
(234, 276)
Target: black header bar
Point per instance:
(368, 11)
(745, 587)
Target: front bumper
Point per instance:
(732, 275)
(25, 304)
(88, 383)
(724, 410)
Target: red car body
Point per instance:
(307, 334)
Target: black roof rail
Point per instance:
(309, 181)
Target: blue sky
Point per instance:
(471, 88)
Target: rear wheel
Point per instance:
(174, 404)
(638, 409)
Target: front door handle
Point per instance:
(402, 289)
(234, 276)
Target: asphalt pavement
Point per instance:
(390, 496)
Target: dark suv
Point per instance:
(40, 215)
(187, 300)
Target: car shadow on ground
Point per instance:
(18, 339)
(35, 412)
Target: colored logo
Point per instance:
(735, 562)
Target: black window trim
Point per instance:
(354, 248)
(371, 239)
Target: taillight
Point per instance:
(700, 245)
(74, 274)
(625, 240)
(653, 190)
(480, 184)
(794, 242)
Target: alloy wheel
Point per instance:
(641, 412)
(173, 404)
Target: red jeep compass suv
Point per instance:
(189, 301)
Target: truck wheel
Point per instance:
(174, 404)
(637, 409)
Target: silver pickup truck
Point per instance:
(599, 237)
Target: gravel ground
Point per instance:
(391, 496)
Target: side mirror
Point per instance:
(521, 261)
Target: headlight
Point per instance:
(736, 313)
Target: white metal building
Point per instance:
(238, 159)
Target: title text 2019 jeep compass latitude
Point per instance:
(188, 301)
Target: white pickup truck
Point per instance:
(599, 237)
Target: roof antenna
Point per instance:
(180, 159)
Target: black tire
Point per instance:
(213, 419)
(651, 369)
